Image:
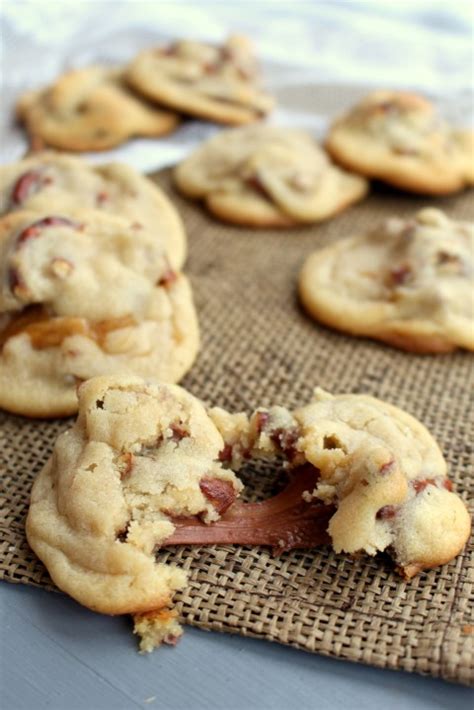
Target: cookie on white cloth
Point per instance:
(90, 109)
(399, 138)
(220, 83)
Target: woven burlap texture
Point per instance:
(258, 349)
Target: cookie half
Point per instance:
(399, 138)
(379, 473)
(140, 456)
(265, 176)
(90, 109)
(220, 83)
(58, 183)
(408, 282)
(85, 295)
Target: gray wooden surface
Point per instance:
(58, 655)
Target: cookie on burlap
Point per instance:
(146, 466)
(378, 468)
(138, 456)
(399, 138)
(90, 109)
(86, 295)
(220, 83)
(57, 183)
(407, 282)
(265, 176)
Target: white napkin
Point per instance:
(421, 45)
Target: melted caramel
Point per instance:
(284, 522)
(47, 331)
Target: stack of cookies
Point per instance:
(90, 261)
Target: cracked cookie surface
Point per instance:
(90, 109)
(408, 282)
(85, 295)
(264, 176)
(399, 138)
(220, 83)
(58, 183)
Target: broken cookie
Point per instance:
(379, 472)
(139, 456)
(146, 466)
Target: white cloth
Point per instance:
(419, 44)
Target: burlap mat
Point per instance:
(259, 348)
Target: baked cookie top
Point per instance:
(84, 295)
(90, 109)
(139, 456)
(399, 138)
(146, 465)
(266, 176)
(58, 183)
(220, 83)
(379, 470)
(408, 282)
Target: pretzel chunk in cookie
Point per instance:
(265, 176)
(399, 138)
(85, 295)
(408, 282)
(220, 83)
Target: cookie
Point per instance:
(85, 295)
(139, 456)
(90, 109)
(408, 282)
(263, 176)
(58, 183)
(399, 138)
(146, 466)
(377, 470)
(219, 83)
